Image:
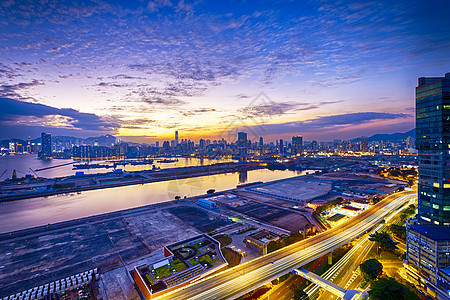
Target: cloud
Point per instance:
(13, 90)
(155, 5)
(270, 108)
(194, 112)
(19, 113)
(111, 84)
(138, 123)
(327, 123)
(124, 76)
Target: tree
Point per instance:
(274, 245)
(384, 239)
(398, 230)
(390, 289)
(371, 269)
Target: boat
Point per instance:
(142, 162)
(167, 160)
(90, 166)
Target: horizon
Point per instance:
(228, 140)
(140, 71)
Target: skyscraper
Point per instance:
(428, 235)
(364, 146)
(176, 138)
(242, 145)
(297, 144)
(46, 146)
(433, 145)
(281, 146)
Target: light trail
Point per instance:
(241, 279)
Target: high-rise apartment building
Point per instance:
(46, 146)
(297, 144)
(433, 145)
(281, 147)
(364, 146)
(242, 145)
(428, 258)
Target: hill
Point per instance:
(388, 137)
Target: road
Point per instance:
(344, 272)
(237, 281)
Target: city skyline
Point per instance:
(141, 71)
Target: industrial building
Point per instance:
(259, 240)
(207, 203)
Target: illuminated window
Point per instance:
(436, 184)
(446, 106)
(446, 207)
(446, 185)
(425, 203)
(435, 206)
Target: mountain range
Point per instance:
(397, 136)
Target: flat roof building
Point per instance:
(428, 258)
(259, 240)
(184, 262)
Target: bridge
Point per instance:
(328, 285)
(243, 278)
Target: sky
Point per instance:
(142, 69)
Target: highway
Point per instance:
(241, 279)
(344, 272)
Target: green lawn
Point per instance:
(163, 272)
(203, 259)
(199, 245)
(178, 265)
(208, 259)
(149, 278)
(193, 262)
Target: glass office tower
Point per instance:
(242, 146)
(433, 145)
(46, 146)
(297, 144)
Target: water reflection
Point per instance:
(243, 177)
(40, 211)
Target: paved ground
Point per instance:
(118, 284)
(292, 222)
(197, 217)
(302, 188)
(237, 241)
(260, 211)
(37, 259)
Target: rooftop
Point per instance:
(446, 271)
(434, 232)
(263, 236)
